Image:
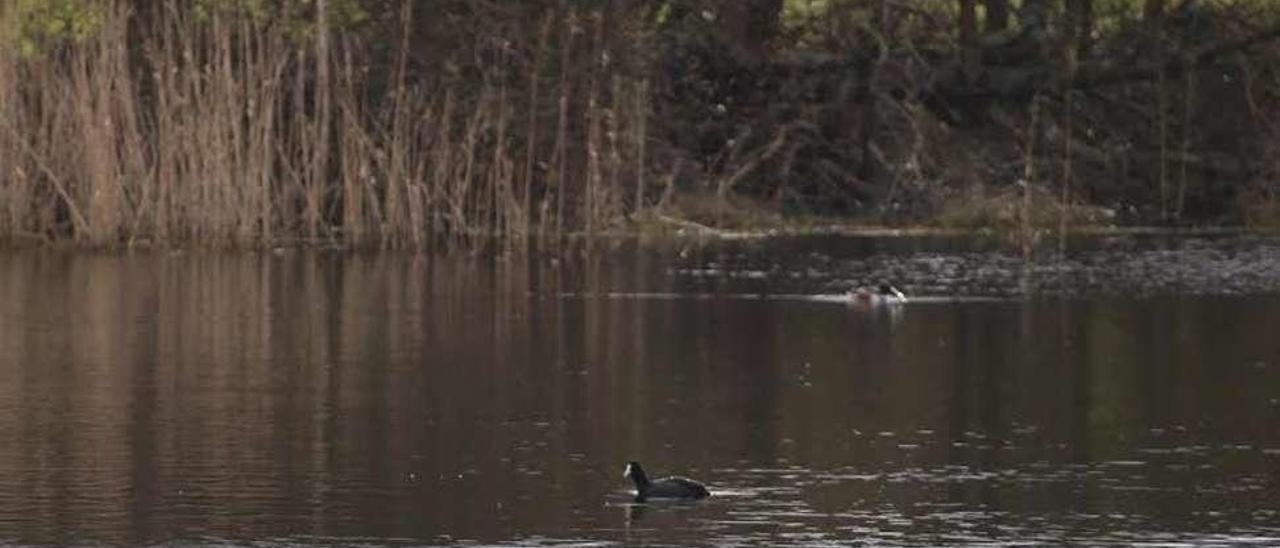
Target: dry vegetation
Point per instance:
(230, 127)
(225, 130)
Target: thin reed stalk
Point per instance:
(592, 192)
(318, 173)
(1026, 230)
(558, 157)
(531, 135)
(640, 119)
(1064, 204)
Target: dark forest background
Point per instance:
(401, 122)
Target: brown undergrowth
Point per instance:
(226, 128)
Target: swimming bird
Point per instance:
(666, 488)
(881, 294)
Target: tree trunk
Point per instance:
(968, 37)
(997, 16)
(868, 66)
(320, 160)
(1088, 26)
(1153, 9)
(749, 26)
(1034, 15)
(1078, 22)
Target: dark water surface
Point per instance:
(1129, 394)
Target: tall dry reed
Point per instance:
(233, 129)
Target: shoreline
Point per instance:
(682, 232)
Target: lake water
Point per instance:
(1126, 394)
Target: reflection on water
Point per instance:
(336, 399)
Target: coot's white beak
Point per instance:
(627, 473)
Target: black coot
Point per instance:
(665, 488)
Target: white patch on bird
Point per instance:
(627, 473)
